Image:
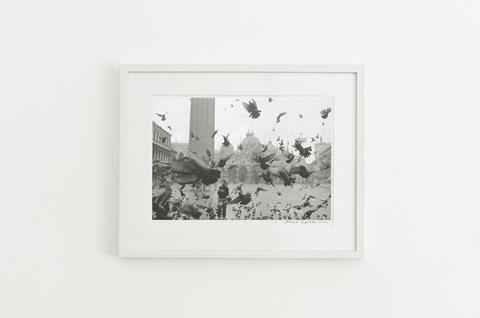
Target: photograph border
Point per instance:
(358, 70)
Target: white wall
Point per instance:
(58, 170)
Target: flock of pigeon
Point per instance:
(275, 163)
(303, 211)
(203, 205)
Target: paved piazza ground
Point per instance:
(267, 205)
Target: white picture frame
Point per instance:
(139, 238)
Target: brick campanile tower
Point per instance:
(202, 125)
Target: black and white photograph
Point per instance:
(242, 158)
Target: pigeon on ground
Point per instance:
(308, 213)
(191, 210)
(306, 202)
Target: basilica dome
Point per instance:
(250, 142)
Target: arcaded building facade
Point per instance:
(161, 147)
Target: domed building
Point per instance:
(322, 165)
(250, 143)
(242, 168)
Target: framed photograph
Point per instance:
(241, 161)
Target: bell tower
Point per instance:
(202, 125)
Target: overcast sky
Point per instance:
(236, 121)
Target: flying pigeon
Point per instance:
(243, 199)
(226, 142)
(301, 170)
(252, 108)
(162, 116)
(304, 152)
(266, 177)
(259, 189)
(325, 112)
(263, 161)
(214, 133)
(280, 115)
(191, 169)
(223, 161)
(325, 165)
(275, 171)
(290, 157)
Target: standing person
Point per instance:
(222, 193)
(160, 205)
